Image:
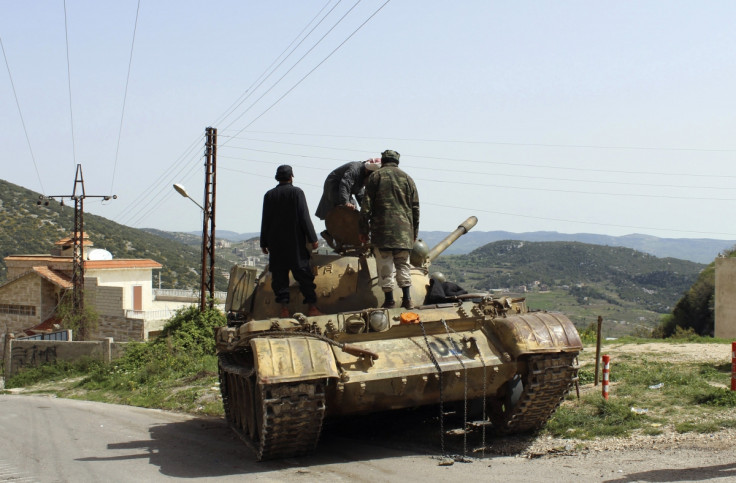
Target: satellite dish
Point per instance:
(99, 254)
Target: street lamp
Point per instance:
(183, 191)
(207, 282)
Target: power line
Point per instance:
(249, 91)
(480, 173)
(69, 82)
(501, 163)
(292, 68)
(547, 218)
(125, 97)
(501, 143)
(317, 66)
(20, 113)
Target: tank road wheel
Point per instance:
(531, 396)
(275, 420)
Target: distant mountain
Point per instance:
(587, 280)
(700, 250)
(29, 228)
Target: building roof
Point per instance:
(54, 276)
(121, 263)
(114, 264)
(68, 240)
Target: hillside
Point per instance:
(29, 228)
(580, 279)
(700, 250)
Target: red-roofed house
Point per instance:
(120, 290)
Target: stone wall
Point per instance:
(23, 294)
(120, 328)
(725, 298)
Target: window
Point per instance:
(28, 310)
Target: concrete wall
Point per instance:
(126, 279)
(23, 354)
(725, 298)
(24, 292)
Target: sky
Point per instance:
(575, 117)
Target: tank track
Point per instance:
(275, 420)
(549, 377)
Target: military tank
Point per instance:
(281, 377)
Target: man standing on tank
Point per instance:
(286, 229)
(390, 214)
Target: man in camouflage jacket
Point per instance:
(390, 214)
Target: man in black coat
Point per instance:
(286, 229)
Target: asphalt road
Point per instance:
(58, 440)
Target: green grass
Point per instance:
(692, 398)
(177, 371)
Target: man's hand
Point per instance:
(363, 238)
(350, 205)
(264, 250)
(315, 245)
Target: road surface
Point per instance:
(47, 439)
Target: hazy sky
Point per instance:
(609, 118)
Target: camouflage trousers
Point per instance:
(390, 262)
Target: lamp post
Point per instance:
(208, 225)
(203, 278)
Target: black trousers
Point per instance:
(302, 272)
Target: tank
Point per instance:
(281, 377)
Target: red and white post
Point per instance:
(606, 372)
(733, 366)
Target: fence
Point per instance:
(183, 295)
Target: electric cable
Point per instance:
(125, 97)
(547, 218)
(22, 121)
(249, 91)
(499, 143)
(292, 68)
(69, 82)
(316, 67)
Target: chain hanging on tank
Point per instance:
(439, 374)
(465, 396)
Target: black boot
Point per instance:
(388, 302)
(406, 300)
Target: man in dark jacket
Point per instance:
(390, 213)
(285, 231)
(343, 183)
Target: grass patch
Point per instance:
(176, 371)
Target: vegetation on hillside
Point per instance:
(696, 309)
(29, 228)
(582, 280)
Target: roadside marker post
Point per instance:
(606, 372)
(733, 366)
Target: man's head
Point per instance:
(284, 173)
(372, 164)
(389, 156)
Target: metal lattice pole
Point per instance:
(78, 195)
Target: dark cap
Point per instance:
(284, 173)
(389, 155)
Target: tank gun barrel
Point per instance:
(450, 239)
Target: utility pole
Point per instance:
(208, 224)
(77, 243)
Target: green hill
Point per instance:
(27, 228)
(582, 280)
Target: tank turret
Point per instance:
(345, 281)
